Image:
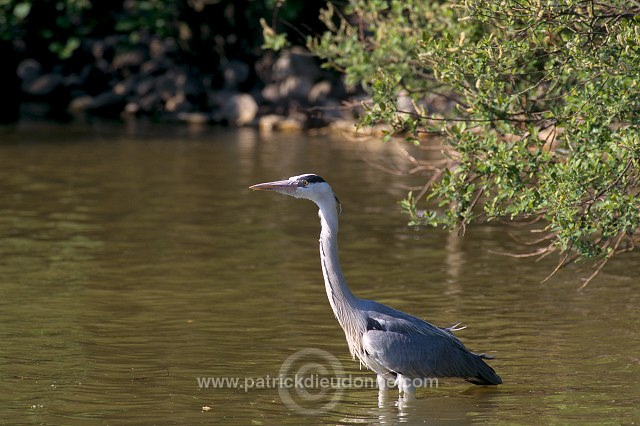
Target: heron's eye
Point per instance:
(305, 183)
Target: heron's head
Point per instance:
(309, 186)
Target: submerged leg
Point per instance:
(405, 385)
(383, 383)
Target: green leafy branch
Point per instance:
(540, 119)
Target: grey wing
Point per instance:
(419, 355)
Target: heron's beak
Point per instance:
(282, 186)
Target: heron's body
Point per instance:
(397, 346)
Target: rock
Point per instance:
(150, 77)
(381, 129)
(130, 60)
(296, 62)
(337, 110)
(239, 110)
(81, 103)
(104, 49)
(269, 122)
(343, 126)
(271, 93)
(44, 86)
(150, 102)
(296, 87)
(358, 102)
(126, 86)
(108, 104)
(331, 111)
(29, 70)
(235, 73)
(291, 124)
(194, 89)
(155, 67)
(263, 66)
(73, 82)
(145, 86)
(437, 104)
(404, 102)
(194, 117)
(131, 108)
(319, 92)
(10, 82)
(339, 90)
(166, 85)
(95, 80)
(159, 48)
(550, 138)
(178, 104)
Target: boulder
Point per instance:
(145, 85)
(130, 60)
(194, 117)
(166, 85)
(155, 67)
(104, 49)
(160, 48)
(81, 103)
(178, 104)
(94, 80)
(131, 108)
(291, 124)
(296, 87)
(28, 71)
(73, 82)
(404, 102)
(150, 103)
(239, 110)
(269, 122)
(319, 92)
(296, 62)
(271, 93)
(235, 73)
(126, 86)
(343, 126)
(108, 104)
(45, 85)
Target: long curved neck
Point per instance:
(346, 307)
(340, 297)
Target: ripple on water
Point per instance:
(135, 263)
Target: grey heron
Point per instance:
(400, 348)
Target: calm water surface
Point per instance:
(134, 260)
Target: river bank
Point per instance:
(278, 91)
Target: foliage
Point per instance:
(205, 30)
(543, 108)
(273, 40)
(61, 25)
(17, 16)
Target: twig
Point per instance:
(550, 249)
(534, 242)
(427, 185)
(541, 250)
(604, 262)
(562, 263)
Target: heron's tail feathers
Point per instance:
(486, 375)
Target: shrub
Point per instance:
(543, 117)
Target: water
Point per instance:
(134, 260)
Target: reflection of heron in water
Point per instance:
(399, 347)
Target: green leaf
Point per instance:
(22, 10)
